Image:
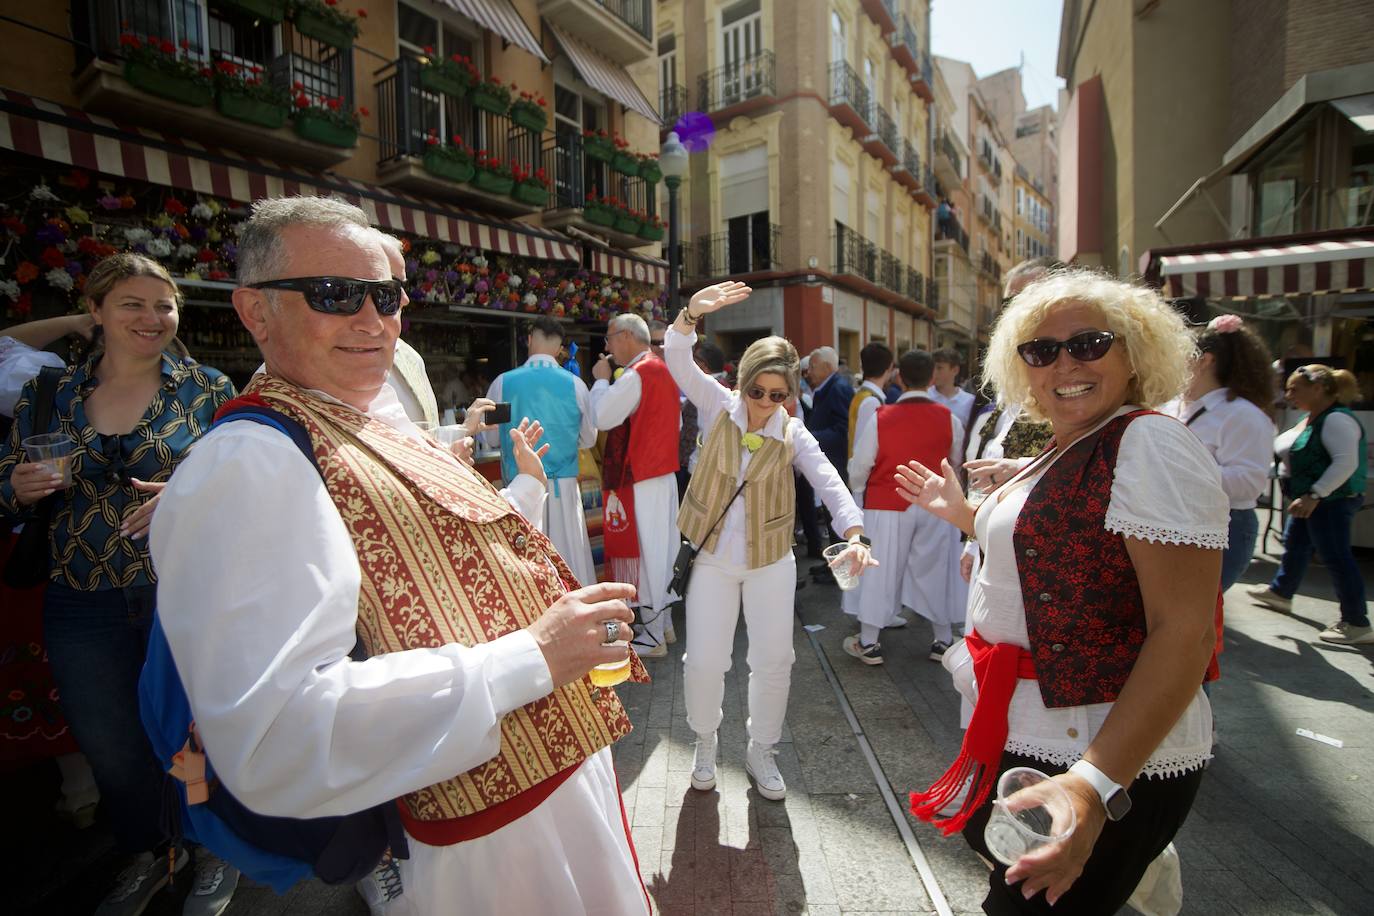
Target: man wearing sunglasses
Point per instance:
(474, 646)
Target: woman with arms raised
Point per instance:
(1093, 610)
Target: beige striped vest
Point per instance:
(770, 492)
(445, 559)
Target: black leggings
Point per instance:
(1118, 861)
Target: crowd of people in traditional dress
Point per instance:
(354, 620)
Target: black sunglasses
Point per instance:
(1086, 347)
(757, 394)
(342, 295)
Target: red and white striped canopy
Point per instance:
(631, 267)
(1296, 269)
(70, 136)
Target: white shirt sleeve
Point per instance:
(586, 432)
(1341, 439)
(868, 409)
(258, 596)
(956, 445)
(709, 395)
(808, 458)
(492, 437)
(612, 404)
(1244, 452)
(861, 462)
(19, 363)
(1167, 487)
(526, 496)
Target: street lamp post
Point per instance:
(672, 161)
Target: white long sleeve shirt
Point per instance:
(1240, 437)
(866, 448)
(711, 399)
(612, 404)
(19, 363)
(258, 586)
(586, 433)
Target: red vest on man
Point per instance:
(655, 422)
(918, 429)
(1084, 612)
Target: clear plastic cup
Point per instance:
(976, 495)
(1031, 811)
(612, 673)
(52, 451)
(847, 572)
(450, 434)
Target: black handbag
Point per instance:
(687, 554)
(31, 558)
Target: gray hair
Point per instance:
(632, 323)
(261, 254)
(392, 246)
(826, 355)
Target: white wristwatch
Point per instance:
(1114, 797)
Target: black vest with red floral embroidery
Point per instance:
(1084, 611)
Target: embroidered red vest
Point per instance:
(918, 429)
(1084, 611)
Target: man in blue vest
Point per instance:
(544, 391)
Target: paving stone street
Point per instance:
(1284, 824)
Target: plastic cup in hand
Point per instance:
(846, 571)
(612, 673)
(1031, 811)
(450, 434)
(976, 495)
(54, 452)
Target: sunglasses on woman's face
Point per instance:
(758, 394)
(342, 295)
(1086, 347)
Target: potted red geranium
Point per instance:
(493, 175)
(451, 160)
(158, 66)
(531, 187)
(652, 229)
(649, 169)
(272, 11)
(596, 144)
(491, 95)
(599, 211)
(453, 76)
(625, 162)
(629, 221)
(530, 111)
(326, 21)
(324, 119)
(241, 94)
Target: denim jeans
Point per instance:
(1243, 532)
(97, 641)
(1326, 530)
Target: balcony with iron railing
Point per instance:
(858, 257)
(620, 29)
(906, 50)
(929, 192)
(949, 165)
(738, 87)
(849, 99)
(907, 171)
(986, 208)
(110, 81)
(580, 181)
(948, 230)
(883, 12)
(672, 105)
(933, 295)
(731, 254)
(882, 143)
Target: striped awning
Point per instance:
(70, 136)
(639, 268)
(1297, 269)
(604, 75)
(500, 17)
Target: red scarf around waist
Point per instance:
(996, 669)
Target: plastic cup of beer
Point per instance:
(612, 673)
(1031, 811)
(846, 571)
(52, 451)
(450, 434)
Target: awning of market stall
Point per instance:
(1317, 264)
(69, 136)
(639, 268)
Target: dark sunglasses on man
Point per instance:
(342, 295)
(1086, 347)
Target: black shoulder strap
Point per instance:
(45, 395)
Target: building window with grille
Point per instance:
(838, 46)
(419, 35)
(747, 242)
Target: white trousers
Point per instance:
(656, 521)
(932, 586)
(713, 604)
(565, 522)
(571, 855)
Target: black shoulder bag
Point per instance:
(687, 554)
(31, 558)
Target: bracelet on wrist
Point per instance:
(687, 313)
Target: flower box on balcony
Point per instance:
(273, 11)
(313, 25)
(650, 172)
(530, 192)
(488, 101)
(599, 215)
(493, 182)
(181, 89)
(436, 80)
(529, 116)
(627, 224)
(626, 163)
(599, 148)
(245, 108)
(321, 129)
(651, 232)
(444, 164)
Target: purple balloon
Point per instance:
(695, 130)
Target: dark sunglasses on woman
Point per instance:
(1086, 347)
(758, 394)
(342, 295)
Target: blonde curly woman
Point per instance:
(1094, 611)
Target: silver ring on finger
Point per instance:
(612, 631)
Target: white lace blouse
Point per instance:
(1167, 489)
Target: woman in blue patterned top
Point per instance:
(133, 410)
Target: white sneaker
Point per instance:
(381, 887)
(1347, 634)
(704, 763)
(763, 769)
(216, 881)
(1264, 596)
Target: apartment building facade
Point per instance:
(952, 266)
(815, 184)
(506, 141)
